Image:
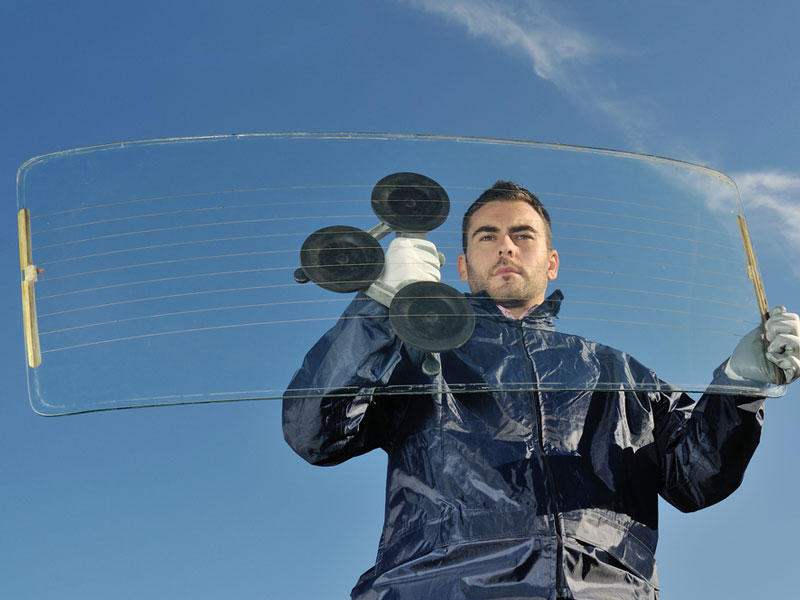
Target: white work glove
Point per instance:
(751, 359)
(408, 260)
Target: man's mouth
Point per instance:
(506, 270)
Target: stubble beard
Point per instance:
(507, 295)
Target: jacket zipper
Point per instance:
(562, 591)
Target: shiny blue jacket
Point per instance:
(514, 494)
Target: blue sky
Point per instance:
(207, 501)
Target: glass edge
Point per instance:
(39, 410)
(45, 410)
(376, 136)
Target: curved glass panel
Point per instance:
(169, 264)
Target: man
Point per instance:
(520, 494)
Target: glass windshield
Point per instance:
(169, 265)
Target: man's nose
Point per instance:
(507, 247)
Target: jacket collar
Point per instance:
(542, 317)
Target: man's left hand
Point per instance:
(778, 343)
(783, 335)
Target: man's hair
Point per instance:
(506, 191)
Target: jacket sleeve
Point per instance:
(705, 446)
(330, 412)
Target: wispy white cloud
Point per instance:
(551, 46)
(558, 52)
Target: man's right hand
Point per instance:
(408, 260)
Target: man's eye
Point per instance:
(487, 238)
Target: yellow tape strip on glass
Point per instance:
(30, 274)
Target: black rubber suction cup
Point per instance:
(410, 202)
(341, 258)
(431, 316)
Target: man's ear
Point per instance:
(461, 263)
(552, 266)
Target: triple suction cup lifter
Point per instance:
(430, 316)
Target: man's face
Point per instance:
(507, 255)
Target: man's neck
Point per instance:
(518, 313)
